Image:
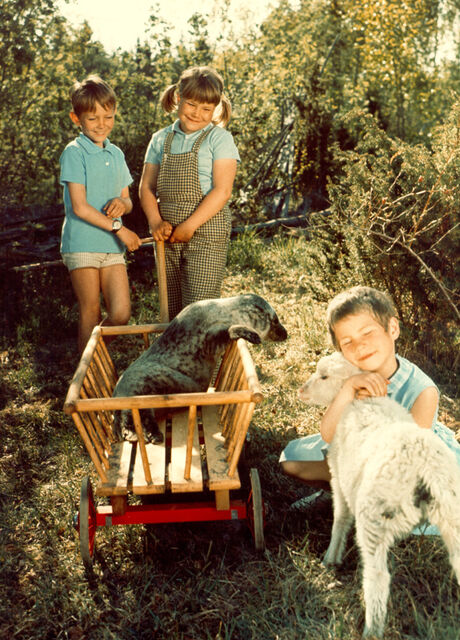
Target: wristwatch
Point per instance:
(116, 225)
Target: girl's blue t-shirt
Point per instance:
(217, 145)
(104, 174)
(406, 384)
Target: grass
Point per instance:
(190, 581)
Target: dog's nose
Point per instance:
(278, 333)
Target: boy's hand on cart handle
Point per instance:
(129, 238)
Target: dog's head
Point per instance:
(258, 317)
(246, 316)
(323, 385)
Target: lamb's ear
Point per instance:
(240, 331)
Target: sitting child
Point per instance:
(364, 326)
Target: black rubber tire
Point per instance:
(87, 523)
(256, 511)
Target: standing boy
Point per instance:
(96, 183)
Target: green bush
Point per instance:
(395, 216)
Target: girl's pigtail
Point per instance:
(224, 111)
(168, 98)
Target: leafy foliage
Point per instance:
(335, 102)
(395, 208)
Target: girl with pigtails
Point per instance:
(187, 180)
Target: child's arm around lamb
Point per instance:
(358, 386)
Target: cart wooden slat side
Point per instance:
(203, 432)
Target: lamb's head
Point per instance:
(323, 385)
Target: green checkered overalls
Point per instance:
(195, 269)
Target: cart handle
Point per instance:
(161, 275)
(159, 253)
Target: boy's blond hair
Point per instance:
(357, 300)
(84, 95)
(202, 84)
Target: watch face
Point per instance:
(116, 225)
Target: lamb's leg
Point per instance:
(453, 546)
(343, 520)
(450, 532)
(373, 544)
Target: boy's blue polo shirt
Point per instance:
(104, 173)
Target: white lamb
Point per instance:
(389, 475)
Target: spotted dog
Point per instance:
(184, 357)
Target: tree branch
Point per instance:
(394, 241)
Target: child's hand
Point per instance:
(116, 207)
(365, 385)
(129, 238)
(183, 232)
(161, 231)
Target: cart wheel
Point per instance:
(87, 523)
(256, 511)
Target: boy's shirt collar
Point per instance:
(89, 146)
(395, 376)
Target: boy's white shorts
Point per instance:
(95, 260)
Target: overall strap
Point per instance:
(168, 142)
(201, 137)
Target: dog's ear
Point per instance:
(240, 331)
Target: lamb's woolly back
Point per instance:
(323, 385)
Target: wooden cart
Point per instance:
(204, 434)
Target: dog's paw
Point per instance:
(151, 429)
(155, 437)
(240, 331)
(129, 436)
